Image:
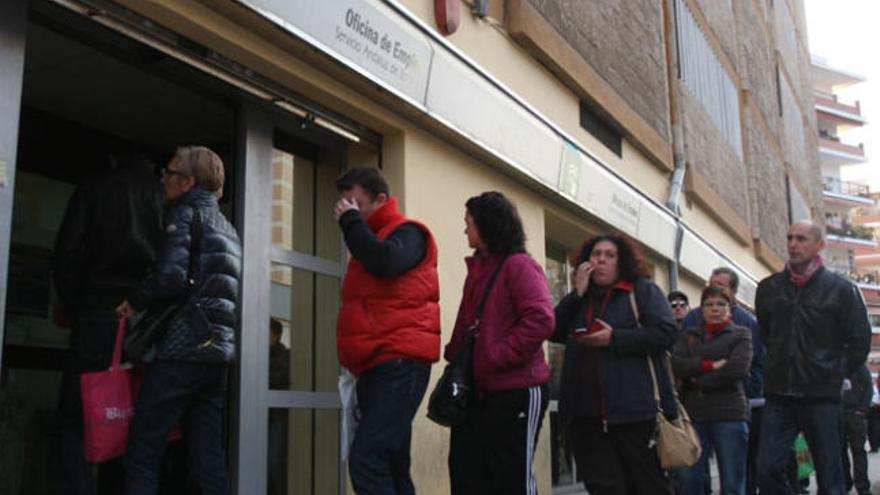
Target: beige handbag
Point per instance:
(678, 444)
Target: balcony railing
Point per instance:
(834, 103)
(835, 185)
(833, 143)
(849, 230)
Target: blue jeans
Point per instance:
(783, 418)
(194, 394)
(388, 396)
(730, 441)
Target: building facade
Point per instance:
(850, 207)
(686, 124)
(841, 198)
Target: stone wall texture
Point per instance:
(757, 66)
(624, 43)
(769, 201)
(708, 152)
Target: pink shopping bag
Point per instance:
(108, 399)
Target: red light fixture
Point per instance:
(448, 15)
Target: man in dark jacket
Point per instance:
(198, 267)
(857, 393)
(680, 305)
(388, 330)
(816, 330)
(107, 240)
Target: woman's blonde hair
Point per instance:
(204, 166)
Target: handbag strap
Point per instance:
(682, 412)
(117, 347)
(479, 314)
(635, 308)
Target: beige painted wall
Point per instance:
(491, 48)
(439, 180)
(707, 227)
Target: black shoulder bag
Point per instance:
(453, 394)
(145, 328)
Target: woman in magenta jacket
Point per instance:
(491, 452)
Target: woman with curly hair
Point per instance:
(607, 399)
(491, 452)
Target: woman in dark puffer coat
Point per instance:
(198, 268)
(711, 362)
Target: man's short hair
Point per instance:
(203, 165)
(815, 229)
(275, 326)
(370, 179)
(723, 270)
(677, 294)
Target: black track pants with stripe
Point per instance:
(492, 452)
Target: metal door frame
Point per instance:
(13, 28)
(257, 125)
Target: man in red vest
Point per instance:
(388, 331)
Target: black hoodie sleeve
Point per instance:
(402, 250)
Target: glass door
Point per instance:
(288, 429)
(305, 273)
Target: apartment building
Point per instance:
(850, 206)
(687, 124)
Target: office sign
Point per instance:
(367, 35)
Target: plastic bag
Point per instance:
(348, 397)
(108, 399)
(804, 459)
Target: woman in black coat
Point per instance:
(197, 268)
(612, 323)
(711, 361)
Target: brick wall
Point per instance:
(708, 152)
(769, 205)
(623, 41)
(758, 67)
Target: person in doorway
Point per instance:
(857, 393)
(816, 330)
(727, 279)
(493, 450)
(279, 379)
(680, 305)
(388, 330)
(711, 363)
(108, 238)
(198, 267)
(612, 323)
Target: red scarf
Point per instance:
(713, 328)
(800, 279)
(620, 284)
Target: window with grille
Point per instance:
(705, 76)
